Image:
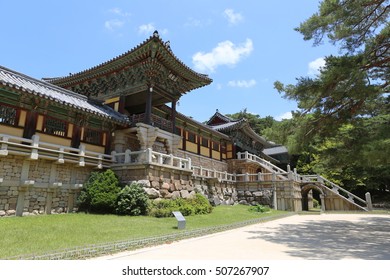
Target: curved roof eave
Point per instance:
(131, 57)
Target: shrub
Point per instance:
(192, 206)
(99, 193)
(132, 200)
(259, 208)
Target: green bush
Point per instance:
(259, 208)
(192, 206)
(132, 200)
(100, 193)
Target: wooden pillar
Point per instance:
(31, 124)
(173, 116)
(121, 108)
(107, 147)
(148, 107)
(76, 136)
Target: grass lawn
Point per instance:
(39, 234)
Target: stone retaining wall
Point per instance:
(38, 186)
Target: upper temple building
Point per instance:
(121, 114)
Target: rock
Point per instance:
(175, 194)
(216, 201)
(192, 194)
(156, 184)
(152, 193)
(2, 213)
(258, 194)
(243, 202)
(165, 186)
(10, 212)
(35, 212)
(184, 194)
(60, 210)
(145, 183)
(248, 193)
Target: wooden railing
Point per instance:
(34, 149)
(157, 121)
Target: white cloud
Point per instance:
(315, 66)
(242, 83)
(232, 17)
(119, 12)
(146, 28)
(113, 24)
(225, 53)
(149, 28)
(284, 116)
(193, 22)
(116, 23)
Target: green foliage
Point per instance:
(99, 193)
(259, 208)
(341, 129)
(257, 123)
(192, 206)
(316, 204)
(132, 200)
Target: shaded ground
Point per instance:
(310, 237)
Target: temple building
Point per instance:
(122, 115)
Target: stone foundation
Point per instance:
(39, 186)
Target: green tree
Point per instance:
(341, 129)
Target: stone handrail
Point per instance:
(148, 156)
(334, 188)
(266, 164)
(199, 171)
(34, 149)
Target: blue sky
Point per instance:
(244, 46)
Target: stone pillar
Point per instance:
(49, 201)
(368, 201)
(322, 202)
(71, 196)
(275, 199)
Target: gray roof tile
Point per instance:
(46, 90)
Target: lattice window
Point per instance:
(55, 127)
(205, 142)
(191, 137)
(93, 136)
(215, 146)
(7, 115)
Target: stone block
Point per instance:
(184, 194)
(145, 183)
(175, 194)
(166, 186)
(152, 193)
(2, 213)
(155, 184)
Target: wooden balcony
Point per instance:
(157, 121)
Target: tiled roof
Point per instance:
(46, 90)
(137, 54)
(229, 125)
(275, 150)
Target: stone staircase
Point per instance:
(317, 180)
